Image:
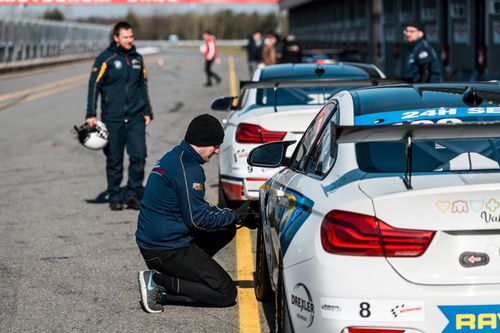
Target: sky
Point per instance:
(112, 11)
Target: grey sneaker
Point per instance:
(150, 292)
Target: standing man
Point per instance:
(422, 64)
(119, 76)
(210, 53)
(254, 52)
(178, 231)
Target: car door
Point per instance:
(287, 207)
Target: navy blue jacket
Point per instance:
(174, 205)
(422, 64)
(119, 76)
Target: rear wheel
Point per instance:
(263, 289)
(283, 324)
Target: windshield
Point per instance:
(297, 96)
(430, 156)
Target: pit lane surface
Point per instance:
(68, 263)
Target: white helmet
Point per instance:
(94, 138)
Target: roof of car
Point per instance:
(422, 96)
(314, 71)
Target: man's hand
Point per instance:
(92, 121)
(147, 120)
(245, 216)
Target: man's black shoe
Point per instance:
(133, 203)
(115, 206)
(208, 84)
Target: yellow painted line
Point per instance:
(247, 303)
(46, 86)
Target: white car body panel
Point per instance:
(328, 292)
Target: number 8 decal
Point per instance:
(365, 310)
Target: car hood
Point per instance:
(463, 210)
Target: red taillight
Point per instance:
(249, 133)
(355, 234)
(373, 330)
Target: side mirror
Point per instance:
(269, 155)
(223, 103)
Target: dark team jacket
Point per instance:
(174, 205)
(422, 64)
(120, 77)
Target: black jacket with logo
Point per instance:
(119, 76)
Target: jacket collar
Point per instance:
(185, 146)
(118, 49)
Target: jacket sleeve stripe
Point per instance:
(101, 72)
(188, 197)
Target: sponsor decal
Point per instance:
(117, 64)
(488, 209)
(430, 116)
(302, 305)
(197, 187)
(401, 309)
(136, 64)
(94, 69)
(471, 318)
(370, 310)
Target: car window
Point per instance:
(323, 155)
(303, 148)
(430, 156)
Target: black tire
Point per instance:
(263, 289)
(283, 323)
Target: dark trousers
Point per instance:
(130, 135)
(190, 275)
(209, 73)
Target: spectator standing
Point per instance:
(210, 54)
(254, 52)
(119, 76)
(422, 64)
(291, 51)
(269, 50)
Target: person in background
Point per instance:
(254, 52)
(291, 51)
(269, 49)
(119, 76)
(210, 54)
(422, 63)
(178, 231)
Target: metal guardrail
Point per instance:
(25, 39)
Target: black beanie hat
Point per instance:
(204, 130)
(417, 25)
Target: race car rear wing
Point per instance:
(346, 83)
(276, 84)
(409, 133)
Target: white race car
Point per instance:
(279, 107)
(387, 216)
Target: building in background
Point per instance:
(466, 33)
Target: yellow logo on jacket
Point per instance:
(198, 186)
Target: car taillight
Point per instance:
(373, 330)
(355, 234)
(249, 133)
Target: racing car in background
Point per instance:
(279, 106)
(386, 218)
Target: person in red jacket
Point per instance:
(210, 53)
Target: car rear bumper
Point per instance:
(241, 189)
(331, 296)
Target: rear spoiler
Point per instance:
(410, 133)
(276, 84)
